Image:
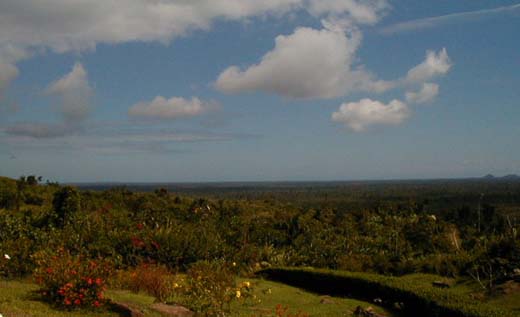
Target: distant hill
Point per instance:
(505, 177)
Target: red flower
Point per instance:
(89, 281)
(138, 243)
(49, 270)
(99, 281)
(77, 302)
(140, 226)
(67, 301)
(96, 304)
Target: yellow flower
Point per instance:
(238, 294)
(234, 264)
(247, 284)
(175, 285)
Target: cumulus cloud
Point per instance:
(358, 116)
(64, 25)
(309, 63)
(74, 25)
(9, 55)
(435, 64)
(75, 94)
(7, 73)
(427, 93)
(173, 108)
(364, 12)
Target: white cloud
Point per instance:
(65, 25)
(358, 116)
(309, 63)
(427, 93)
(435, 64)
(365, 12)
(173, 108)
(7, 73)
(75, 94)
(9, 55)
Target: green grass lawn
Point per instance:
(510, 301)
(415, 291)
(18, 299)
(271, 294)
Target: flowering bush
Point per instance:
(210, 287)
(71, 281)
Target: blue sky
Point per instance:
(241, 90)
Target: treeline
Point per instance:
(363, 231)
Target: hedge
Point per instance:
(417, 294)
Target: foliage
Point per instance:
(66, 201)
(71, 281)
(210, 287)
(152, 279)
(387, 228)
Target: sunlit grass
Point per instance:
(271, 294)
(19, 299)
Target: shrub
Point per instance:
(66, 201)
(152, 279)
(71, 281)
(210, 287)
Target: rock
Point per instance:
(326, 300)
(127, 310)
(367, 312)
(172, 310)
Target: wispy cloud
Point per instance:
(431, 22)
(100, 140)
